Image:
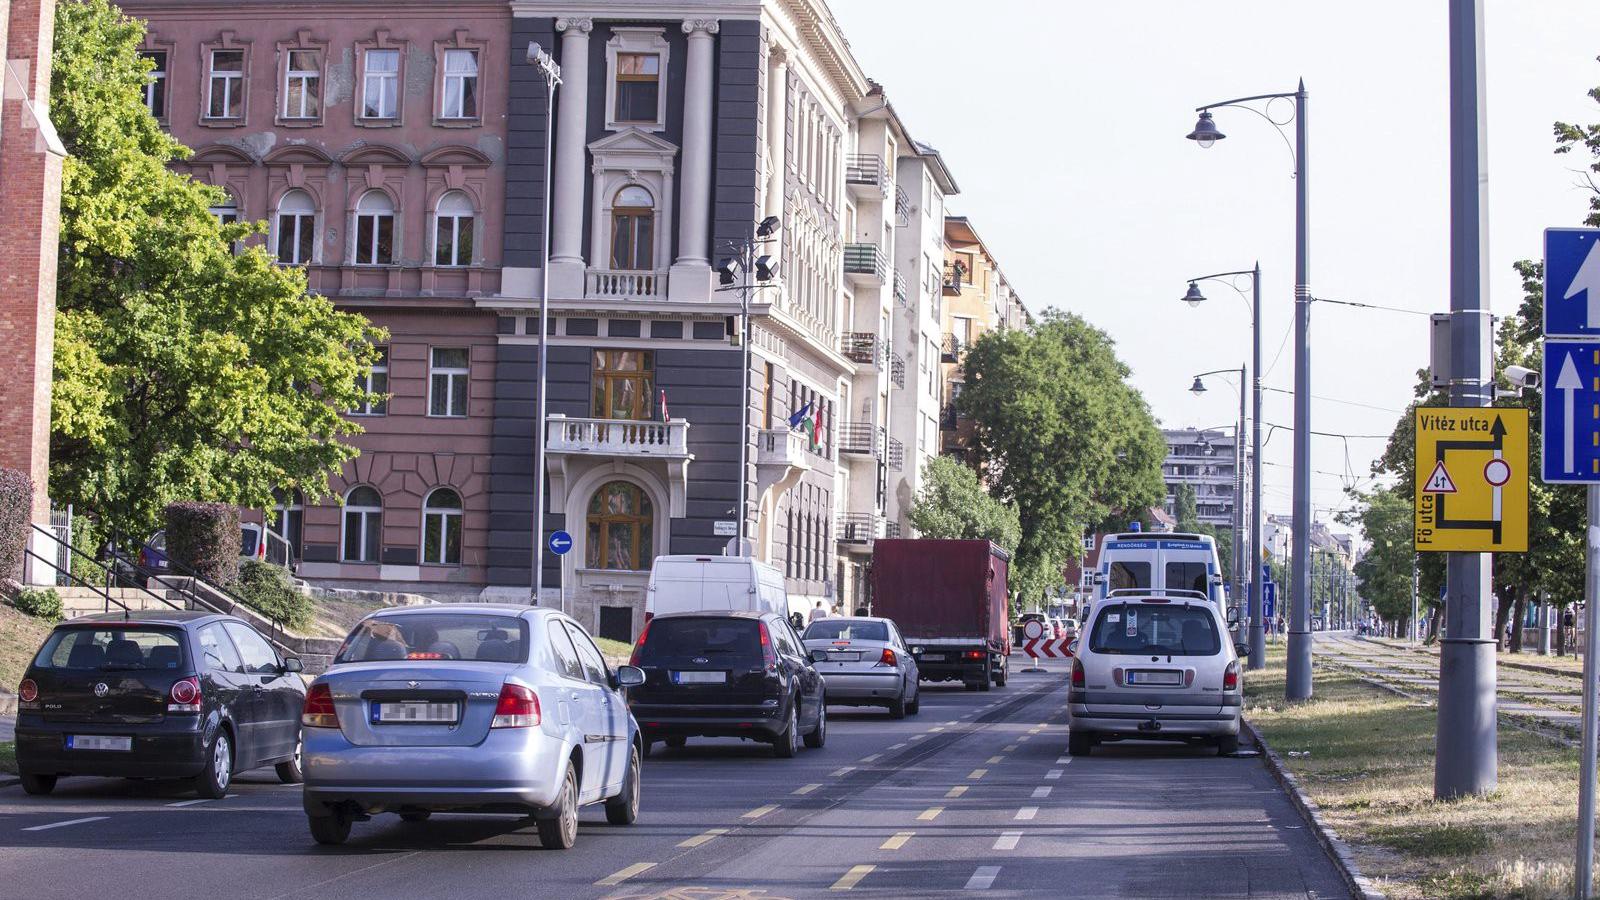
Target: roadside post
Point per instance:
(1571, 408)
(560, 544)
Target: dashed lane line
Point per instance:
(704, 837)
(897, 840)
(622, 875)
(805, 789)
(1010, 747)
(929, 814)
(873, 758)
(852, 878)
(955, 792)
(1026, 737)
(1053, 774)
(760, 811)
(66, 823)
(918, 737)
(983, 878)
(190, 802)
(1026, 813)
(995, 759)
(897, 746)
(1007, 840)
(841, 772)
(1063, 760)
(977, 773)
(1039, 793)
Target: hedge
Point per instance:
(204, 537)
(16, 509)
(40, 603)
(267, 588)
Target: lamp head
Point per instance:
(1193, 297)
(766, 268)
(1205, 131)
(728, 272)
(1198, 388)
(768, 226)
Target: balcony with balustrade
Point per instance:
(862, 440)
(613, 284)
(575, 446)
(863, 347)
(858, 530)
(865, 264)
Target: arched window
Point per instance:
(633, 219)
(297, 229)
(288, 522)
(452, 243)
(441, 528)
(374, 229)
(363, 525)
(621, 528)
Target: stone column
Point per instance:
(777, 122)
(694, 215)
(571, 152)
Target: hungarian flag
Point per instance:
(816, 428)
(665, 416)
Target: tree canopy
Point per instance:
(183, 369)
(953, 504)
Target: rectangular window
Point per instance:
(632, 239)
(377, 382)
(296, 237)
(375, 238)
(453, 240)
(624, 385)
(302, 85)
(155, 90)
(380, 89)
(638, 87)
(460, 85)
(226, 99)
(447, 382)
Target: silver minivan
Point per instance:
(1158, 667)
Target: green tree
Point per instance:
(1185, 509)
(953, 504)
(1063, 436)
(1383, 575)
(183, 369)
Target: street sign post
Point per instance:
(560, 542)
(1472, 480)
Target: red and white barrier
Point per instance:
(1048, 648)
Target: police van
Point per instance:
(1168, 562)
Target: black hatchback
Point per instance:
(180, 694)
(727, 674)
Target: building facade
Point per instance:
(978, 298)
(1205, 460)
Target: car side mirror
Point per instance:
(1233, 617)
(629, 676)
(1241, 648)
(292, 664)
(819, 656)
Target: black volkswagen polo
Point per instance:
(175, 694)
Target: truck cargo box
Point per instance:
(950, 597)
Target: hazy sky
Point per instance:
(1064, 123)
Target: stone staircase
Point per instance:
(82, 601)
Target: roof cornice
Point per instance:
(637, 9)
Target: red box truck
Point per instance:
(949, 599)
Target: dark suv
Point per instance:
(727, 674)
(159, 695)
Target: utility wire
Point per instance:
(1409, 312)
(1388, 409)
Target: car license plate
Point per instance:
(1154, 678)
(844, 656)
(415, 711)
(700, 677)
(935, 657)
(98, 742)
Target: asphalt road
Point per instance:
(975, 794)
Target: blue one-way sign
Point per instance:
(1571, 283)
(1571, 411)
(560, 542)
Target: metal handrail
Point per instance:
(234, 600)
(110, 573)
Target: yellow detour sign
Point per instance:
(1472, 480)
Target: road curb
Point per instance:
(1359, 884)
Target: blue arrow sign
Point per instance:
(560, 542)
(1571, 412)
(1572, 282)
(1269, 600)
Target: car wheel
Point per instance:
(38, 785)
(787, 744)
(1228, 745)
(560, 831)
(819, 734)
(415, 815)
(1079, 743)
(623, 809)
(212, 783)
(649, 747)
(984, 684)
(676, 742)
(290, 771)
(914, 705)
(1000, 676)
(897, 708)
(331, 829)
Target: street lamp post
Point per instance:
(546, 64)
(1297, 682)
(1255, 611)
(757, 272)
(1198, 388)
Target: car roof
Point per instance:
(716, 614)
(486, 609)
(174, 617)
(851, 619)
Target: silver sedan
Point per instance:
(469, 707)
(864, 662)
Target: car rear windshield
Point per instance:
(846, 630)
(1188, 576)
(107, 649)
(676, 638)
(1148, 628)
(437, 636)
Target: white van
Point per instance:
(706, 583)
(1175, 561)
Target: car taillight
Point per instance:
(768, 655)
(184, 697)
(1230, 676)
(318, 711)
(518, 707)
(887, 659)
(1077, 672)
(27, 691)
(973, 654)
(639, 647)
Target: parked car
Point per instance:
(714, 583)
(1155, 667)
(864, 662)
(728, 674)
(471, 707)
(152, 554)
(165, 695)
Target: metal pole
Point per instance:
(552, 77)
(1258, 623)
(748, 255)
(1591, 680)
(1297, 683)
(1416, 632)
(1465, 763)
(1239, 598)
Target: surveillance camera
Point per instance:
(1522, 377)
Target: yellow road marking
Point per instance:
(852, 878)
(702, 838)
(622, 875)
(896, 840)
(977, 773)
(802, 791)
(929, 814)
(955, 792)
(760, 811)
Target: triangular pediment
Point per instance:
(633, 141)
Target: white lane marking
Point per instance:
(977, 773)
(622, 875)
(872, 758)
(936, 728)
(994, 759)
(802, 791)
(1026, 813)
(851, 878)
(929, 814)
(66, 823)
(897, 746)
(1063, 760)
(1007, 840)
(190, 802)
(1039, 793)
(841, 772)
(702, 838)
(983, 878)
(1010, 747)
(896, 840)
(953, 722)
(918, 737)
(760, 811)
(1026, 737)
(1053, 774)
(955, 792)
